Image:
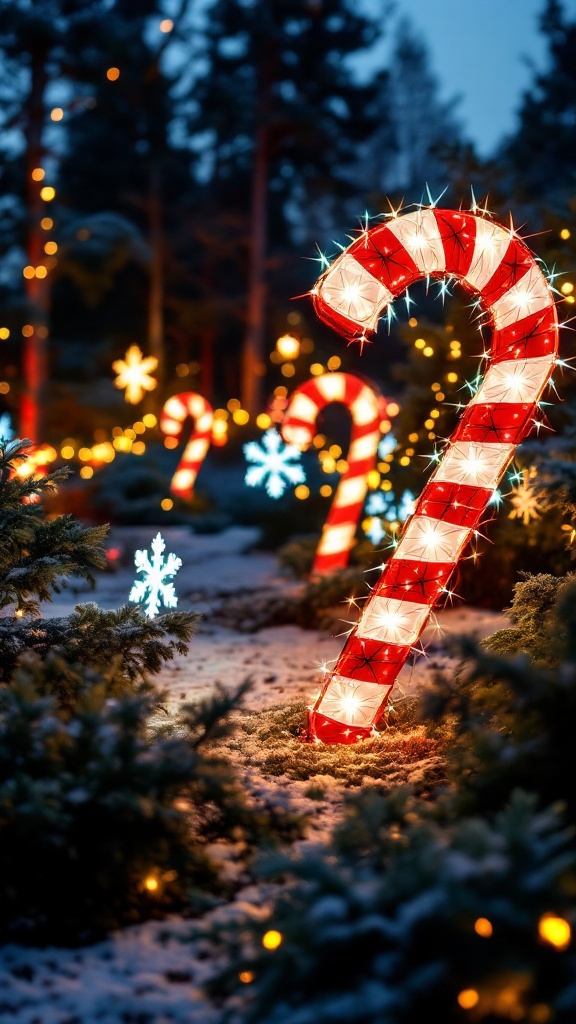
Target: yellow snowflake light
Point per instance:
(526, 500)
(134, 374)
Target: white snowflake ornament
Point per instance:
(156, 571)
(272, 464)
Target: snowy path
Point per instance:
(153, 972)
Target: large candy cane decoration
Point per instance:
(365, 408)
(176, 410)
(498, 267)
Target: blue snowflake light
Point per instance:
(6, 429)
(375, 530)
(377, 503)
(273, 464)
(406, 506)
(387, 445)
(156, 572)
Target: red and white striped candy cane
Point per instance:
(498, 267)
(176, 410)
(366, 411)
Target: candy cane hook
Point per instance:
(365, 409)
(176, 410)
(498, 267)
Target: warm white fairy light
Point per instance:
(134, 374)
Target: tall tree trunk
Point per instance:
(34, 355)
(156, 281)
(252, 363)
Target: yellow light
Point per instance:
(171, 442)
(166, 504)
(318, 440)
(302, 492)
(384, 468)
(564, 234)
(428, 351)
(386, 485)
(50, 248)
(554, 930)
(434, 413)
(570, 299)
(341, 466)
(27, 330)
(246, 977)
(428, 424)
(41, 272)
(316, 369)
(410, 451)
(263, 421)
(241, 417)
(47, 193)
(483, 927)
(275, 357)
(182, 370)
(435, 387)
(413, 321)
(29, 273)
(149, 420)
(4, 387)
(334, 363)
(419, 343)
(468, 998)
(335, 450)
(413, 437)
(46, 223)
(38, 173)
(113, 74)
(567, 288)
(431, 435)
(151, 883)
(451, 378)
(166, 25)
(272, 939)
(129, 432)
(18, 613)
(404, 461)
(325, 490)
(85, 454)
(288, 346)
(233, 404)
(392, 408)
(123, 444)
(67, 452)
(134, 374)
(86, 472)
(139, 427)
(287, 370)
(56, 114)
(440, 396)
(373, 479)
(138, 448)
(4, 333)
(329, 464)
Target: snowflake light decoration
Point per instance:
(406, 506)
(6, 430)
(374, 530)
(377, 503)
(526, 500)
(156, 571)
(387, 445)
(272, 464)
(134, 374)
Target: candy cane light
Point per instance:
(179, 408)
(366, 411)
(494, 264)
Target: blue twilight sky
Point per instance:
(479, 50)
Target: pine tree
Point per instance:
(282, 113)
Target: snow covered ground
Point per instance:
(153, 973)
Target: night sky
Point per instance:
(480, 50)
